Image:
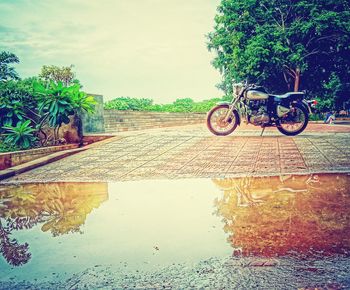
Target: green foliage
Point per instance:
(180, 105)
(325, 105)
(332, 88)
(22, 135)
(126, 103)
(7, 72)
(57, 102)
(316, 117)
(27, 106)
(4, 147)
(270, 42)
(54, 102)
(17, 102)
(183, 105)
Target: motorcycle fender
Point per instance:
(223, 103)
(229, 104)
(288, 101)
(306, 105)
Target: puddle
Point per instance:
(278, 216)
(52, 231)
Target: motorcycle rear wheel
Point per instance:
(288, 127)
(216, 123)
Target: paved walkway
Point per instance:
(192, 151)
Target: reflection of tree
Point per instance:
(61, 207)
(14, 253)
(270, 216)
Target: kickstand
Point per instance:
(262, 132)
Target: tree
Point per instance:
(58, 208)
(15, 254)
(6, 71)
(56, 103)
(277, 43)
(279, 216)
(63, 74)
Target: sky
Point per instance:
(138, 48)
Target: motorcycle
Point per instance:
(289, 113)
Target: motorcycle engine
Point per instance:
(258, 113)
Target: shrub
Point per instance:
(26, 106)
(57, 102)
(126, 103)
(316, 117)
(17, 102)
(21, 136)
(180, 105)
(4, 147)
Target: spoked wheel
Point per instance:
(294, 122)
(216, 120)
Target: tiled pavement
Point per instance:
(194, 152)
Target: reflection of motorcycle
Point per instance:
(288, 112)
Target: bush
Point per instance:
(4, 147)
(41, 103)
(184, 105)
(316, 117)
(20, 136)
(126, 103)
(58, 102)
(17, 102)
(29, 105)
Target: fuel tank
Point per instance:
(256, 95)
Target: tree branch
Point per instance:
(314, 51)
(310, 41)
(282, 19)
(290, 71)
(316, 39)
(263, 5)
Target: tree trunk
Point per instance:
(297, 79)
(79, 125)
(287, 80)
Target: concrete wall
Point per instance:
(9, 159)
(116, 121)
(94, 123)
(109, 121)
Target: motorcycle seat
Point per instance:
(287, 95)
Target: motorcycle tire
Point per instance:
(222, 133)
(294, 133)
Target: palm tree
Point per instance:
(6, 71)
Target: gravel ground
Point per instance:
(230, 273)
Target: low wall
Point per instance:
(9, 159)
(116, 121)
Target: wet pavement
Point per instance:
(187, 152)
(278, 232)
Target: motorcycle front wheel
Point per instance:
(294, 122)
(216, 120)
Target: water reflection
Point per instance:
(61, 208)
(263, 216)
(276, 216)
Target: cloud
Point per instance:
(148, 48)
